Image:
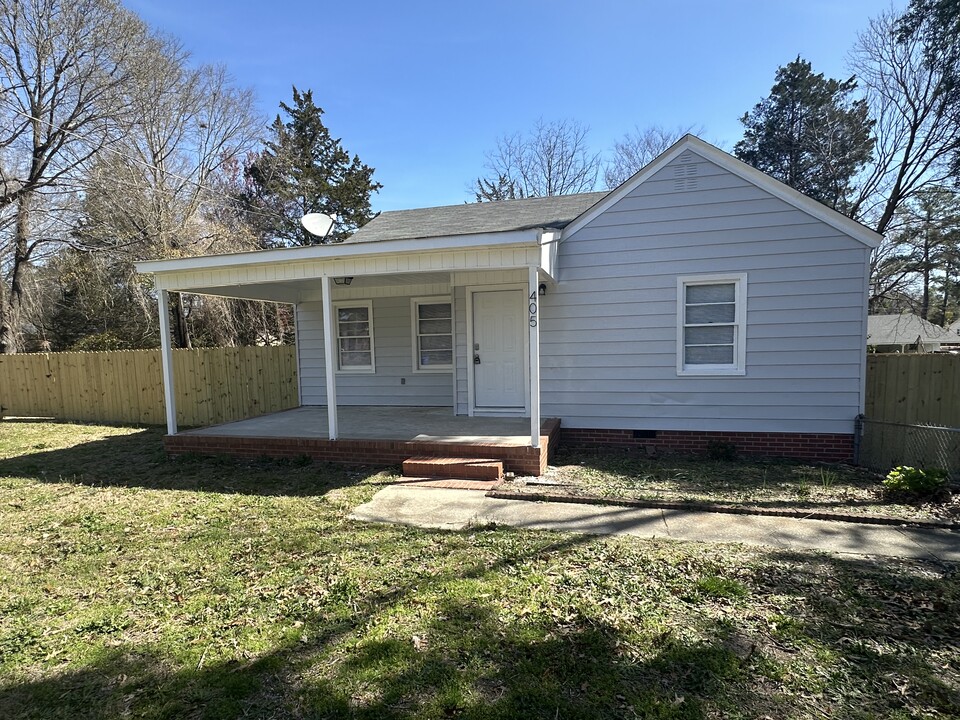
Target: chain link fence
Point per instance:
(882, 445)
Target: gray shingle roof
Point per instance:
(903, 329)
(470, 218)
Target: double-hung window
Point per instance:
(355, 336)
(432, 334)
(711, 324)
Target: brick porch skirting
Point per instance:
(519, 459)
(823, 447)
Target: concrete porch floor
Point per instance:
(411, 424)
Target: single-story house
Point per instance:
(904, 333)
(953, 334)
(700, 301)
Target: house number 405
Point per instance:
(533, 309)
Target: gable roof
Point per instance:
(472, 218)
(776, 188)
(905, 329)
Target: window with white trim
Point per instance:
(711, 332)
(432, 334)
(355, 336)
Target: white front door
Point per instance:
(499, 363)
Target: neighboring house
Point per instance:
(953, 334)
(699, 301)
(904, 333)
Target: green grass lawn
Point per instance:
(136, 586)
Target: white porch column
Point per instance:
(166, 362)
(329, 357)
(533, 297)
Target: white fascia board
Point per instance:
(340, 251)
(776, 188)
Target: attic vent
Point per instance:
(685, 157)
(685, 176)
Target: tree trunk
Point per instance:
(925, 304)
(181, 332)
(11, 302)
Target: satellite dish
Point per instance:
(318, 224)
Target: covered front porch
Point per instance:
(376, 436)
(407, 346)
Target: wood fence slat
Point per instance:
(922, 389)
(216, 385)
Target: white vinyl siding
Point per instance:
(608, 329)
(711, 320)
(432, 334)
(355, 336)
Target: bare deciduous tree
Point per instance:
(917, 121)
(637, 149)
(156, 195)
(62, 70)
(553, 159)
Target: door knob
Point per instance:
(476, 359)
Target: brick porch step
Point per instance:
(452, 467)
(450, 483)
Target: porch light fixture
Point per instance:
(342, 280)
(542, 289)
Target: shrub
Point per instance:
(914, 480)
(99, 343)
(721, 450)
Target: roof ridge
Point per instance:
(497, 202)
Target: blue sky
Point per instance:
(421, 90)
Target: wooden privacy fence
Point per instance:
(914, 389)
(213, 385)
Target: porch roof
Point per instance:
(510, 233)
(290, 274)
(469, 218)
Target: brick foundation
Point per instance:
(519, 459)
(823, 447)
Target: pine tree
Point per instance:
(301, 170)
(809, 133)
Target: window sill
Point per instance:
(712, 372)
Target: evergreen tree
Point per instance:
(938, 24)
(931, 237)
(301, 170)
(809, 133)
(501, 188)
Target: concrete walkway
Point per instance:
(457, 509)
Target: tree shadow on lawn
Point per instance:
(477, 657)
(894, 624)
(469, 660)
(138, 460)
(580, 673)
